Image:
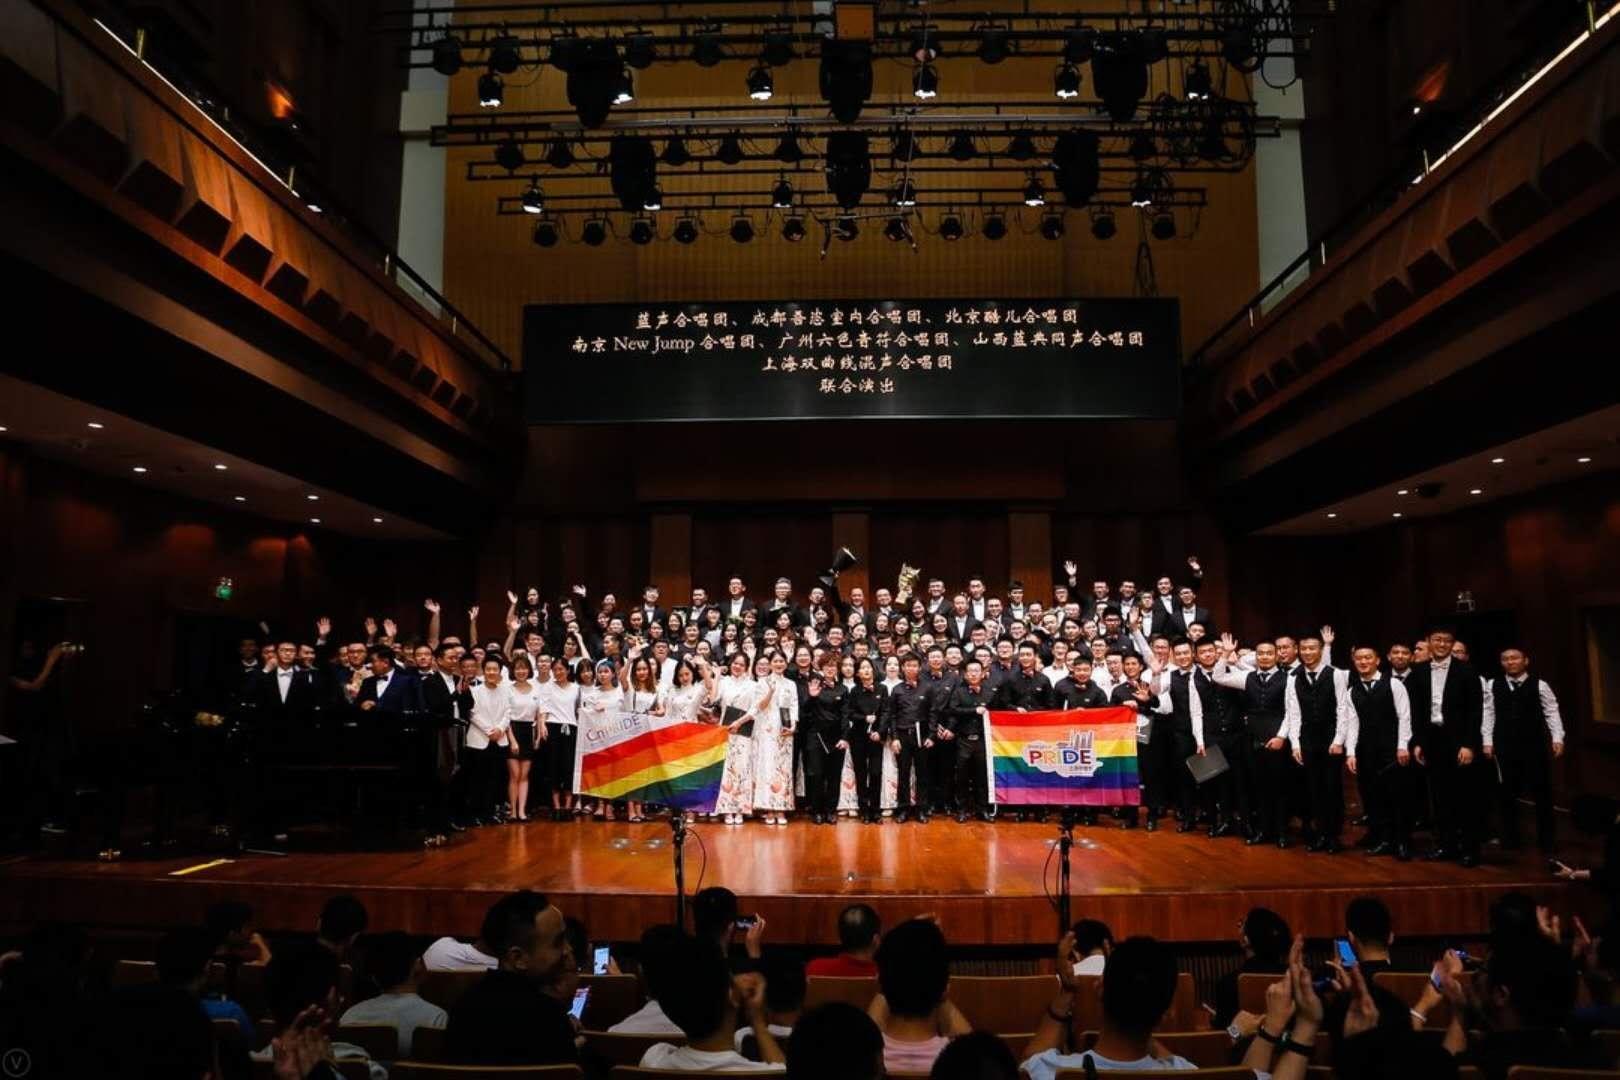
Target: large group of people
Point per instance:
(715, 997)
(844, 706)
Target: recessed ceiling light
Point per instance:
(241, 498)
(1578, 461)
(314, 521)
(221, 466)
(1402, 491)
(376, 520)
(95, 425)
(2, 427)
(140, 468)
(1497, 460)
(1476, 491)
(1396, 514)
(313, 498)
(1331, 514)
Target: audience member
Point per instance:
(393, 961)
(707, 1011)
(230, 923)
(784, 1000)
(343, 919)
(452, 954)
(301, 977)
(1092, 943)
(1369, 926)
(911, 1010)
(518, 1013)
(836, 1040)
(976, 1056)
(156, 1032)
(1264, 938)
(858, 932)
(182, 961)
(663, 979)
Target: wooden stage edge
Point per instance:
(984, 882)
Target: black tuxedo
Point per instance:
(1177, 623)
(403, 694)
(960, 628)
(769, 613)
(725, 608)
(1458, 791)
(652, 613)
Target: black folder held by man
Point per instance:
(1208, 765)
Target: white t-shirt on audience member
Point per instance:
(404, 1012)
(647, 1020)
(448, 954)
(665, 1056)
(1045, 1066)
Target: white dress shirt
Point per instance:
(1195, 707)
(382, 684)
(1350, 720)
(489, 714)
(1437, 690)
(284, 678)
(1549, 710)
(1341, 690)
(1237, 678)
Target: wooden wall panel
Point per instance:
(950, 544)
(760, 546)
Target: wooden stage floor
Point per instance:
(985, 882)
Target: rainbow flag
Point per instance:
(1075, 757)
(637, 756)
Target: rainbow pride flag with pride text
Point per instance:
(1074, 757)
(638, 756)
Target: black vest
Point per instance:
(1220, 718)
(1520, 722)
(1380, 726)
(1264, 703)
(1318, 709)
(1180, 718)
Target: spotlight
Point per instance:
(1119, 73)
(962, 148)
(675, 154)
(846, 77)
(742, 230)
(925, 82)
(503, 55)
(1034, 193)
(706, 47)
(686, 231)
(1066, 81)
(1052, 226)
(846, 227)
(533, 200)
(1143, 146)
(565, 52)
(490, 90)
(760, 86)
(729, 150)
(782, 194)
(1021, 147)
(595, 79)
(902, 147)
(1142, 191)
(654, 199)
(1077, 165)
(1196, 84)
(896, 229)
(632, 170)
(778, 48)
(1103, 226)
(788, 150)
(1164, 225)
(594, 232)
(995, 226)
(950, 227)
(904, 193)
(509, 155)
(793, 229)
(924, 45)
(1155, 45)
(545, 233)
(447, 55)
(849, 167)
(624, 89)
(643, 231)
(994, 44)
(561, 155)
(639, 50)
(1079, 42)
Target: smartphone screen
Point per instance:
(581, 996)
(1347, 955)
(599, 963)
(745, 921)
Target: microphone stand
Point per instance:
(677, 826)
(1065, 842)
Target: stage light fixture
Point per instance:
(1142, 191)
(565, 51)
(846, 77)
(849, 167)
(778, 50)
(545, 233)
(447, 55)
(742, 229)
(1143, 146)
(639, 49)
(782, 194)
(788, 150)
(706, 48)
(1034, 192)
(1103, 226)
(1164, 225)
(1052, 226)
(509, 155)
(643, 231)
(533, 200)
(995, 226)
(924, 44)
(594, 80)
(654, 199)
(1197, 84)
(490, 90)
(902, 147)
(962, 148)
(560, 155)
(503, 55)
(1238, 49)
(1119, 73)
(793, 228)
(950, 227)
(624, 88)
(1079, 42)
(846, 227)
(1021, 147)
(686, 231)
(1155, 45)
(594, 232)
(994, 44)
(904, 193)
(925, 82)
(632, 170)
(896, 229)
(1077, 165)
(730, 149)
(675, 152)
(1066, 82)
(760, 84)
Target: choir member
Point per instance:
(1378, 734)
(527, 732)
(824, 740)
(1447, 731)
(488, 736)
(1182, 735)
(910, 732)
(967, 715)
(559, 704)
(738, 696)
(865, 706)
(1133, 691)
(599, 705)
(1520, 727)
(778, 717)
(1316, 731)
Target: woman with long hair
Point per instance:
(640, 686)
(523, 715)
(773, 739)
(889, 791)
(864, 710)
(599, 706)
(848, 792)
(559, 704)
(738, 697)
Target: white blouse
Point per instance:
(560, 704)
(681, 703)
(489, 714)
(523, 707)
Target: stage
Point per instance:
(984, 881)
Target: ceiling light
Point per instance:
(643, 231)
(1142, 192)
(793, 229)
(742, 229)
(845, 78)
(1164, 225)
(1052, 226)
(788, 150)
(1396, 514)
(1079, 42)
(503, 55)
(994, 44)
(239, 498)
(848, 163)
(1498, 460)
(220, 466)
(3, 428)
(561, 155)
(545, 233)
(1066, 81)
(995, 227)
(509, 155)
(1119, 73)
(313, 498)
(675, 153)
(778, 51)
(904, 194)
(490, 90)
(782, 194)
(1034, 192)
(924, 44)
(314, 521)
(686, 231)
(896, 229)
(654, 199)
(633, 171)
(730, 149)
(447, 55)
(962, 148)
(533, 200)
(846, 227)
(1196, 84)
(1021, 147)
(1331, 514)
(1578, 461)
(376, 521)
(639, 50)
(950, 227)
(706, 47)
(594, 232)
(95, 424)
(760, 84)
(1403, 491)
(1476, 491)
(624, 88)
(925, 82)
(139, 468)
(1077, 165)
(1143, 146)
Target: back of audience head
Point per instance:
(155, 1032)
(1092, 935)
(183, 955)
(660, 960)
(705, 1004)
(300, 976)
(784, 983)
(527, 935)
(913, 970)
(342, 920)
(714, 914)
(229, 922)
(979, 1056)
(393, 959)
(859, 928)
(1138, 986)
(1267, 934)
(1529, 983)
(1368, 922)
(835, 1040)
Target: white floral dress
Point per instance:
(737, 779)
(773, 746)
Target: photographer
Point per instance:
(43, 738)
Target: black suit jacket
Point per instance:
(404, 694)
(440, 701)
(724, 604)
(1176, 625)
(966, 631)
(1462, 706)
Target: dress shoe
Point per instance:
(1220, 829)
(1403, 853)
(1368, 840)
(901, 816)
(922, 819)
(1469, 861)
(1185, 826)
(1128, 822)
(1317, 844)
(1283, 843)
(1256, 838)
(1439, 854)
(1383, 847)
(986, 817)
(818, 819)
(1152, 824)
(961, 817)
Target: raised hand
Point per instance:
(1192, 561)
(472, 612)
(511, 597)
(579, 591)
(389, 627)
(323, 626)
(1070, 567)
(431, 605)
(1327, 636)
(371, 627)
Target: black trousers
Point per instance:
(1184, 789)
(1525, 772)
(866, 757)
(942, 764)
(1230, 792)
(1156, 761)
(823, 773)
(1276, 775)
(1324, 779)
(1386, 793)
(1458, 792)
(971, 793)
(914, 760)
